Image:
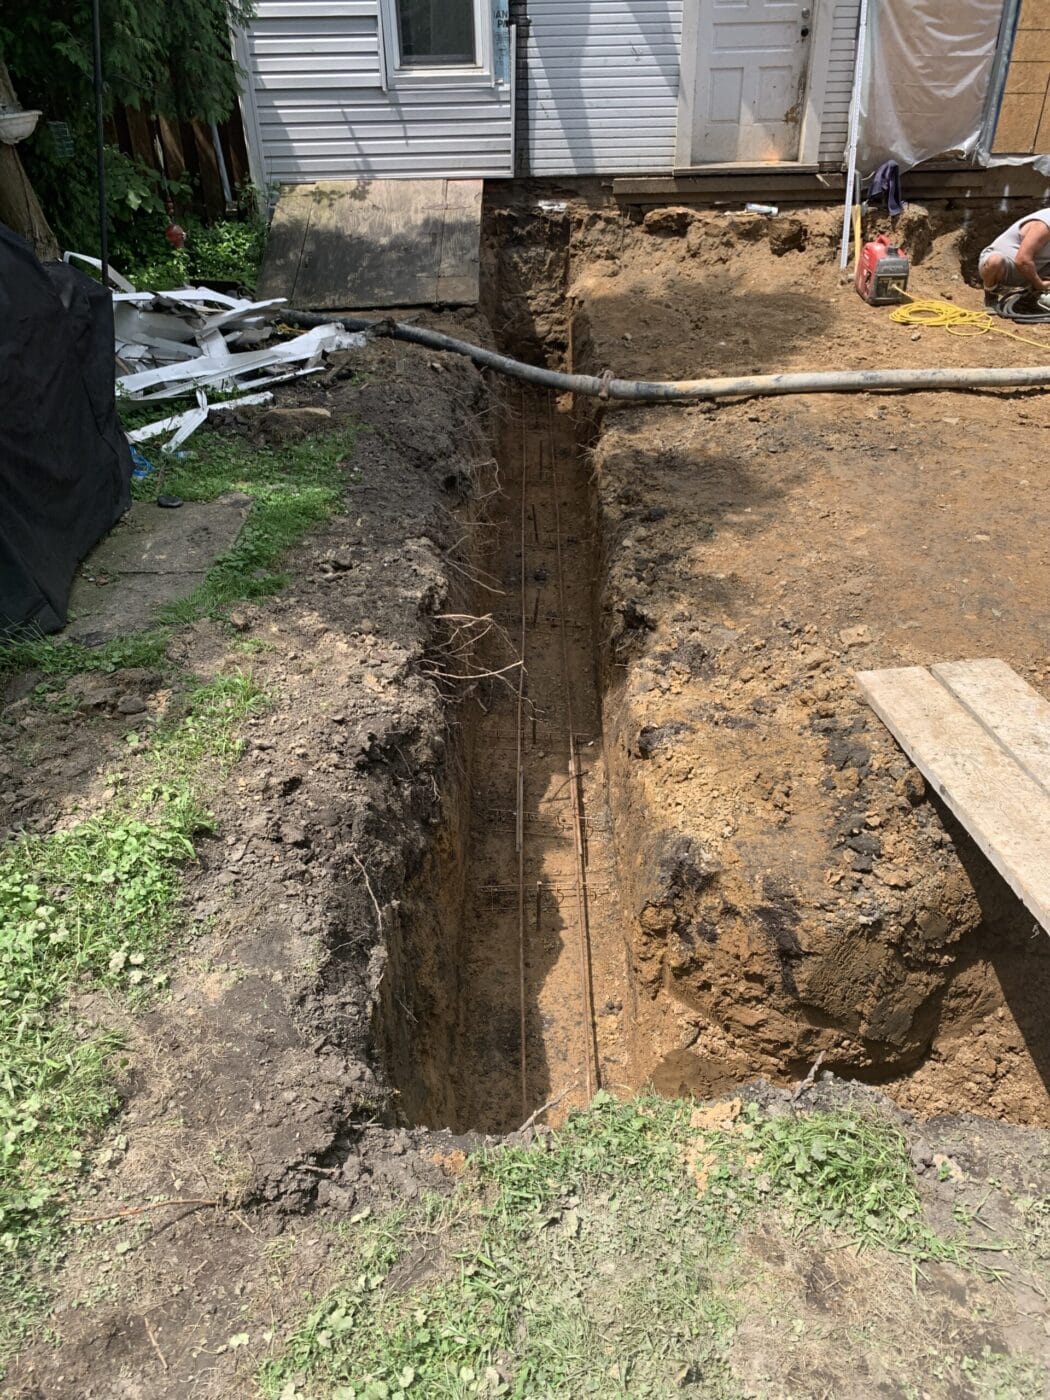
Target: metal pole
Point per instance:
(854, 129)
(100, 152)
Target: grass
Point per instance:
(91, 908)
(846, 1172)
(599, 1264)
(294, 488)
(146, 649)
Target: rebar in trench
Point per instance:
(520, 782)
(593, 1066)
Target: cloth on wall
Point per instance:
(886, 184)
(927, 70)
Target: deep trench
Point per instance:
(531, 927)
(510, 984)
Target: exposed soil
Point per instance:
(254, 1082)
(793, 887)
(538, 926)
(685, 853)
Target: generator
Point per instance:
(882, 272)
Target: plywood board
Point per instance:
(284, 245)
(359, 244)
(1007, 707)
(967, 761)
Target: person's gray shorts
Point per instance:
(1012, 277)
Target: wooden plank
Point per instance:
(1008, 708)
(1005, 811)
(235, 149)
(370, 245)
(208, 170)
(376, 243)
(171, 145)
(459, 271)
(141, 136)
(785, 186)
(284, 245)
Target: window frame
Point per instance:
(399, 74)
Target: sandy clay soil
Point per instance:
(793, 885)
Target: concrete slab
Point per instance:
(151, 558)
(357, 244)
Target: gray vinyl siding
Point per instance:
(316, 72)
(603, 80)
(834, 125)
(601, 95)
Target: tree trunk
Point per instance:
(19, 207)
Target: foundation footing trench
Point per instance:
(677, 849)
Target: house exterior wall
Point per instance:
(316, 83)
(602, 87)
(834, 125)
(601, 95)
(1024, 117)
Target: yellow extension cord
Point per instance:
(927, 313)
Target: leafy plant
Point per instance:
(848, 1172)
(229, 251)
(59, 658)
(174, 60)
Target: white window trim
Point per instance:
(480, 74)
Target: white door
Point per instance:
(751, 79)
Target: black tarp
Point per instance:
(65, 468)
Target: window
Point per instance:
(429, 42)
(433, 33)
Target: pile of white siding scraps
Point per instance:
(195, 340)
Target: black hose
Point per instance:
(605, 387)
(689, 390)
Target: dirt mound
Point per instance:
(795, 889)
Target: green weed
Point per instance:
(598, 1264)
(294, 488)
(227, 251)
(845, 1171)
(210, 728)
(58, 658)
(91, 908)
(995, 1376)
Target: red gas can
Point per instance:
(882, 272)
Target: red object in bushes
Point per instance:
(175, 235)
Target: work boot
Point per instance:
(991, 302)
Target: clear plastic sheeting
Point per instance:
(926, 79)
